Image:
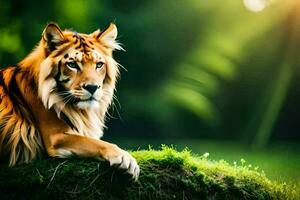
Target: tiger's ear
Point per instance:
(108, 37)
(53, 36)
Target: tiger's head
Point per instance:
(78, 69)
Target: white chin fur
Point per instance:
(87, 104)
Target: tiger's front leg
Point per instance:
(63, 145)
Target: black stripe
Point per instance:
(98, 36)
(59, 87)
(18, 99)
(67, 121)
(76, 41)
(15, 94)
(1, 75)
(2, 83)
(57, 76)
(78, 47)
(102, 32)
(83, 43)
(65, 80)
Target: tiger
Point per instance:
(55, 100)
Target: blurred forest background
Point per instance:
(213, 76)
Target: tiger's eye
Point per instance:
(99, 65)
(73, 65)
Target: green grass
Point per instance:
(279, 161)
(165, 174)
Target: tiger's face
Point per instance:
(81, 77)
(81, 65)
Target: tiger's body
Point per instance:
(55, 100)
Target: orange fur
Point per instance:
(57, 97)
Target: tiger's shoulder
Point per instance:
(19, 138)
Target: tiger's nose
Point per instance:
(91, 88)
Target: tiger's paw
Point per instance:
(123, 160)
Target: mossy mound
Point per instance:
(165, 174)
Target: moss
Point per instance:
(165, 174)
